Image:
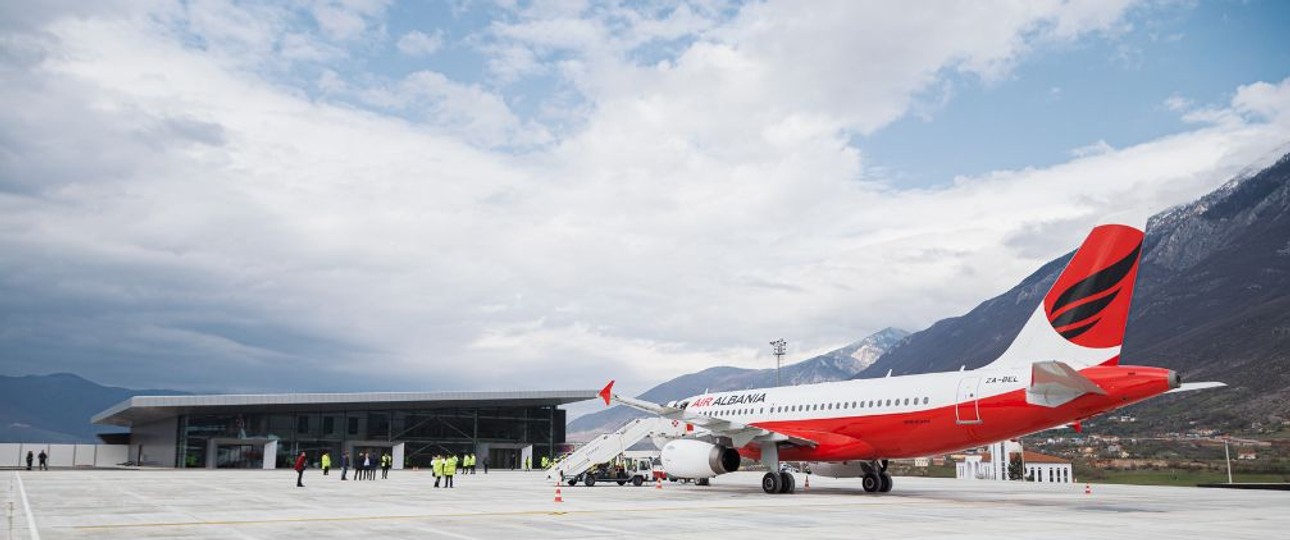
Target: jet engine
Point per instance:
(689, 458)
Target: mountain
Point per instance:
(835, 365)
(57, 408)
(1212, 302)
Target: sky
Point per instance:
(366, 195)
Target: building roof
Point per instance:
(146, 409)
(1026, 456)
(1035, 457)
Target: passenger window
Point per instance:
(924, 401)
(889, 403)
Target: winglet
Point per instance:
(607, 391)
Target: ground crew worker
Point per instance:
(436, 465)
(386, 461)
(326, 462)
(449, 470)
(344, 465)
(30, 456)
(527, 462)
(470, 463)
(44, 460)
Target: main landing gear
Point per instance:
(778, 482)
(876, 479)
(775, 481)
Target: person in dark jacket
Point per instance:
(344, 465)
(31, 456)
(44, 460)
(300, 470)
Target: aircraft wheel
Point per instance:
(886, 483)
(704, 481)
(770, 482)
(788, 484)
(871, 483)
(590, 481)
(637, 481)
(622, 482)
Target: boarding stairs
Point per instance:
(605, 448)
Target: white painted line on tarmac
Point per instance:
(31, 521)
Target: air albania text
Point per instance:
(733, 399)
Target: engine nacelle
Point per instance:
(688, 458)
(838, 469)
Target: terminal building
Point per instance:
(268, 431)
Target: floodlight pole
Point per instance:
(780, 345)
(1228, 455)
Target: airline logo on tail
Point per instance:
(1089, 303)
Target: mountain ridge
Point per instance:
(838, 364)
(28, 414)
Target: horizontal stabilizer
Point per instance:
(1053, 384)
(1187, 387)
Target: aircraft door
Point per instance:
(965, 408)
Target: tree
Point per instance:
(1016, 470)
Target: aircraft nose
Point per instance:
(1175, 380)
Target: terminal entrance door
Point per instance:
(239, 456)
(504, 458)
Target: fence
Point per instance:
(65, 455)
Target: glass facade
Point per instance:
(237, 438)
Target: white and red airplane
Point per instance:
(1062, 368)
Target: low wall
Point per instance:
(65, 455)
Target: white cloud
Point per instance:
(163, 201)
(470, 111)
(418, 43)
(1177, 103)
(346, 19)
(1097, 148)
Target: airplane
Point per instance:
(1062, 368)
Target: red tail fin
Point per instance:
(1082, 319)
(1089, 303)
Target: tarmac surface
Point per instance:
(518, 505)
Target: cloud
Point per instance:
(1177, 103)
(1099, 147)
(418, 43)
(470, 111)
(176, 211)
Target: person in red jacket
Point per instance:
(300, 470)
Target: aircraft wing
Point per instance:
(740, 434)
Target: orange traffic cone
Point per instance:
(658, 483)
(1088, 490)
(808, 482)
(558, 498)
